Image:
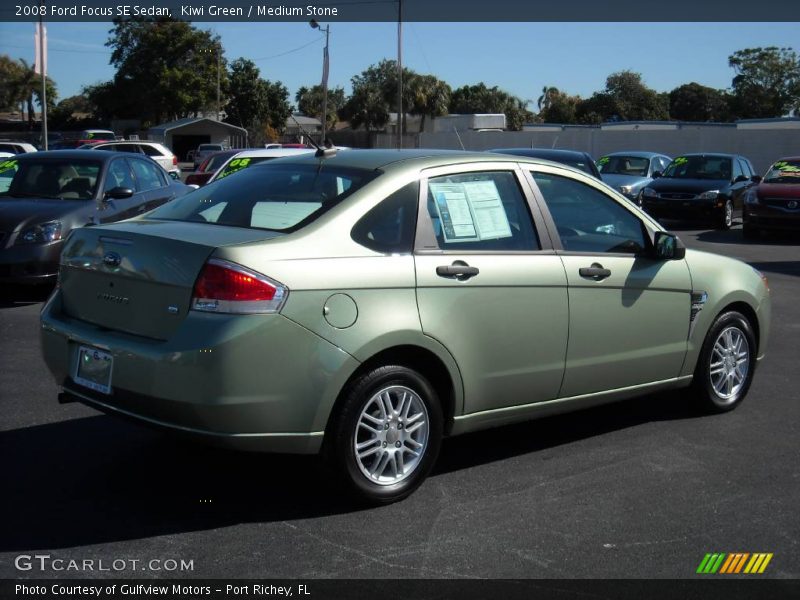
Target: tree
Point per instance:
(546, 99)
(22, 85)
(166, 69)
(256, 104)
(695, 102)
(375, 95)
(429, 96)
(767, 82)
(478, 98)
(71, 113)
(625, 98)
(309, 103)
(557, 106)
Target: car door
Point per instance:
(153, 185)
(489, 285)
(629, 312)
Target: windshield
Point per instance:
(278, 196)
(66, 179)
(237, 164)
(784, 171)
(209, 148)
(699, 167)
(624, 165)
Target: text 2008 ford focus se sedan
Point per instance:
(367, 304)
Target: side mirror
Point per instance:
(668, 246)
(194, 186)
(756, 179)
(118, 193)
(657, 174)
(740, 179)
(174, 175)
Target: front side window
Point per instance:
(147, 175)
(482, 211)
(119, 175)
(587, 220)
(277, 196)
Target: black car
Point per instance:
(701, 186)
(572, 158)
(44, 195)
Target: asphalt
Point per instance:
(640, 489)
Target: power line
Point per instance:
(319, 39)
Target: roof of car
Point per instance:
(541, 152)
(636, 154)
(423, 158)
(70, 154)
(722, 154)
(787, 158)
(273, 152)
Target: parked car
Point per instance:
(775, 202)
(205, 150)
(45, 195)
(72, 144)
(706, 186)
(15, 147)
(573, 158)
(158, 152)
(208, 167)
(369, 303)
(97, 134)
(247, 158)
(631, 172)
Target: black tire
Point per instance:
(344, 433)
(725, 217)
(707, 396)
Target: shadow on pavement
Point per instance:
(99, 479)
(23, 295)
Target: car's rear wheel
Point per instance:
(386, 435)
(727, 360)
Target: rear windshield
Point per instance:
(207, 147)
(784, 171)
(278, 196)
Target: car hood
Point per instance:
(778, 190)
(17, 213)
(696, 186)
(616, 180)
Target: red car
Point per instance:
(775, 202)
(208, 167)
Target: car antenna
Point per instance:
(325, 151)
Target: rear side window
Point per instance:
(276, 196)
(147, 175)
(150, 150)
(483, 211)
(389, 226)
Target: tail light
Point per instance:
(174, 161)
(225, 287)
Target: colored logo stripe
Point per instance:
(732, 563)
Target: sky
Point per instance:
(520, 58)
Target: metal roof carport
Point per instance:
(184, 135)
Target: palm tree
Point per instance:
(546, 99)
(429, 96)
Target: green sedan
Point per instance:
(367, 304)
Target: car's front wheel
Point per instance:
(727, 360)
(725, 219)
(386, 434)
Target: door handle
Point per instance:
(596, 272)
(458, 270)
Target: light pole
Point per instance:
(399, 74)
(218, 49)
(327, 30)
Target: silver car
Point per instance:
(630, 172)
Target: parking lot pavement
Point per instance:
(643, 488)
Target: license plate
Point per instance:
(94, 369)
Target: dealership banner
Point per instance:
(402, 589)
(392, 10)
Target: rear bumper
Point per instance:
(255, 382)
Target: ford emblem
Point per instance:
(112, 259)
(792, 204)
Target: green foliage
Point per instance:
(72, 113)
(625, 98)
(557, 107)
(375, 95)
(695, 102)
(19, 84)
(309, 103)
(478, 98)
(767, 82)
(257, 104)
(166, 69)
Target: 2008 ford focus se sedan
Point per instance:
(367, 304)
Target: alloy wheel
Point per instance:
(730, 363)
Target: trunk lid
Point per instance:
(137, 276)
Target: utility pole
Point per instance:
(325, 67)
(399, 127)
(219, 68)
(42, 62)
